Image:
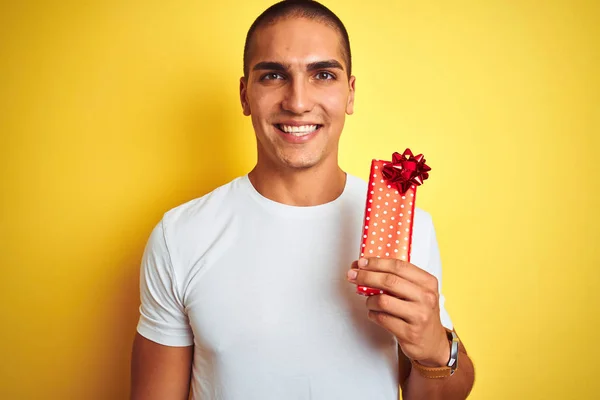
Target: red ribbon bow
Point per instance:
(406, 170)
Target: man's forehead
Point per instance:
(296, 42)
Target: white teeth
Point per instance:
(298, 130)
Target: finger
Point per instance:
(395, 325)
(405, 310)
(390, 283)
(401, 268)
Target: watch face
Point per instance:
(453, 362)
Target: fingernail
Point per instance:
(352, 274)
(363, 262)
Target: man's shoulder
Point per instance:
(357, 186)
(203, 210)
(423, 218)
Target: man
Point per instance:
(249, 292)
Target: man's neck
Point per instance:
(313, 186)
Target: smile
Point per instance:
(297, 130)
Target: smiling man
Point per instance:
(249, 291)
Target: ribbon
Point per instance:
(405, 170)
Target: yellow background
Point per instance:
(112, 112)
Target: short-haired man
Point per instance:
(249, 292)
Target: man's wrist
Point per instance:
(442, 355)
(434, 367)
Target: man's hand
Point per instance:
(409, 307)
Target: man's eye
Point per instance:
(325, 76)
(271, 76)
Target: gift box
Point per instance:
(390, 208)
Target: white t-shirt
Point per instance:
(260, 289)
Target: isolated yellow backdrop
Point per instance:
(112, 112)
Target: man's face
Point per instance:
(297, 92)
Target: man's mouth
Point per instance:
(297, 130)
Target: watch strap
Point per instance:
(445, 371)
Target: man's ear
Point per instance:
(350, 102)
(243, 97)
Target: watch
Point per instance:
(451, 366)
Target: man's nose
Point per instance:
(298, 97)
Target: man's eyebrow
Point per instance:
(276, 66)
(328, 64)
(270, 65)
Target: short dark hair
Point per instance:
(308, 9)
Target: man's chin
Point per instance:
(303, 162)
(298, 159)
(300, 165)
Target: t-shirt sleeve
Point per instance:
(162, 313)
(435, 268)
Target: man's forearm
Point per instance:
(456, 387)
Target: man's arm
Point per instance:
(409, 308)
(162, 356)
(456, 387)
(160, 372)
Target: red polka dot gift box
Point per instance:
(390, 207)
